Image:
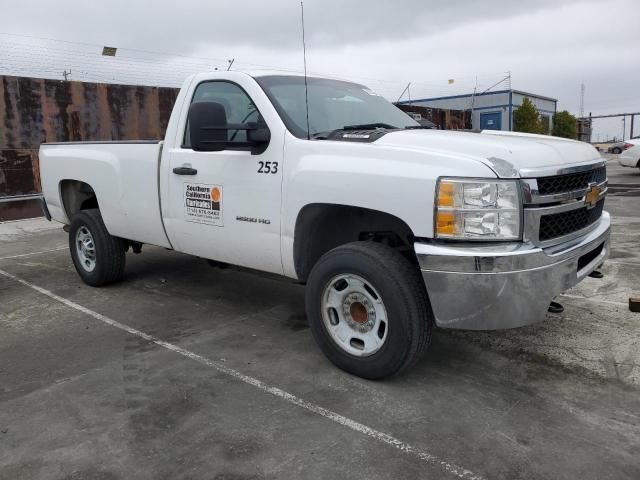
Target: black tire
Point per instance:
(405, 299)
(109, 250)
(616, 150)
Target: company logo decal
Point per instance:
(203, 203)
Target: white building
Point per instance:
(492, 110)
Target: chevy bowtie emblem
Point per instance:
(592, 196)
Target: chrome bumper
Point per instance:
(487, 287)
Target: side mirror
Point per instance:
(209, 130)
(258, 136)
(208, 127)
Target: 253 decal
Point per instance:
(268, 167)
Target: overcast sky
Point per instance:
(549, 46)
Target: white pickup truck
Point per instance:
(393, 228)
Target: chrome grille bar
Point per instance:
(537, 205)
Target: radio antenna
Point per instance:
(304, 56)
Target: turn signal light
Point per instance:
(446, 193)
(446, 223)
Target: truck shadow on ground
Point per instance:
(279, 304)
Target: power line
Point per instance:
(95, 56)
(195, 66)
(100, 46)
(201, 60)
(170, 68)
(36, 68)
(208, 60)
(127, 67)
(107, 74)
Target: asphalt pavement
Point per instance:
(184, 371)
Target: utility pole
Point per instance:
(624, 126)
(582, 100)
(66, 75)
(473, 102)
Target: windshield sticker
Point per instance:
(203, 203)
(356, 135)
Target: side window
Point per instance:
(238, 106)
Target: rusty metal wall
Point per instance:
(36, 110)
(446, 119)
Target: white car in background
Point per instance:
(631, 156)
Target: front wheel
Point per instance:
(368, 309)
(99, 258)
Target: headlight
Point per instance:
(478, 209)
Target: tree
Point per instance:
(565, 125)
(527, 119)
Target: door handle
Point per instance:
(184, 170)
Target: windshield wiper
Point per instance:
(418, 127)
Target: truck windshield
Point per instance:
(333, 105)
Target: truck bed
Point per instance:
(124, 176)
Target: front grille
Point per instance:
(571, 181)
(560, 224)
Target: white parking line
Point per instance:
(616, 262)
(595, 300)
(34, 253)
(390, 440)
(624, 233)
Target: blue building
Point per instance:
(492, 110)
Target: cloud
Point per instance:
(180, 26)
(549, 47)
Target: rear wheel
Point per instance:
(616, 150)
(99, 257)
(368, 309)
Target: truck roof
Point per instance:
(288, 73)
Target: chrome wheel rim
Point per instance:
(354, 315)
(86, 249)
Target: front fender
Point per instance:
(397, 181)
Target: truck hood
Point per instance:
(508, 154)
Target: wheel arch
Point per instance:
(76, 195)
(320, 227)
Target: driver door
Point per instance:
(225, 205)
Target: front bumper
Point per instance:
(487, 287)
